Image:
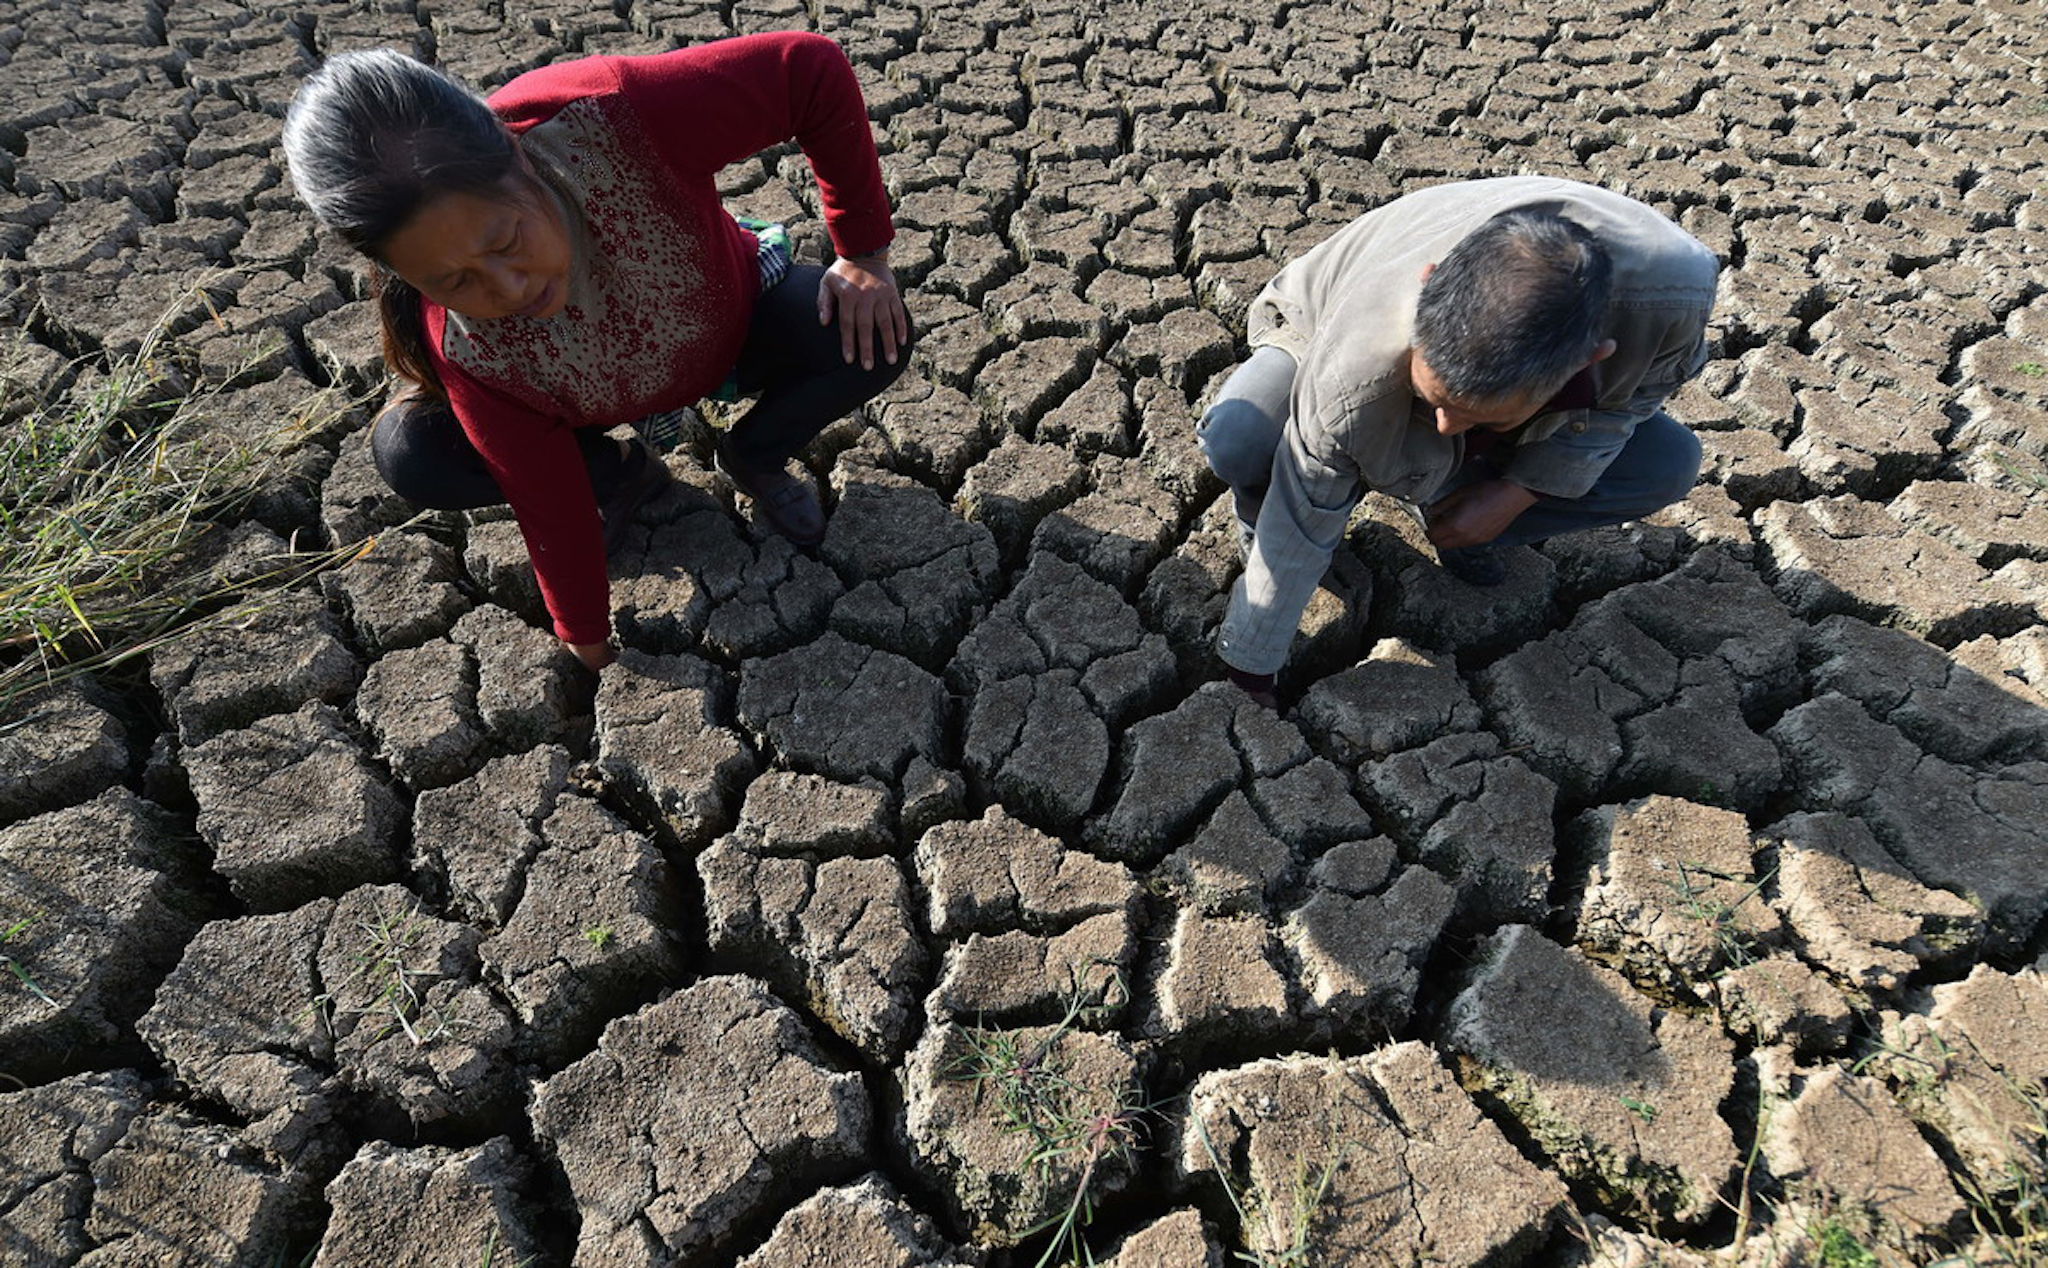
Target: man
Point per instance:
(1494, 354)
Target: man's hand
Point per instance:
(1477, 513)
(595, 656)
(861, 292)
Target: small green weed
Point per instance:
(1641, 1109)
(1697, 901)
(397, 996)
(1063, 1119)
(14, 966)
(2032, 369)
(599, 936)
(1291, 1218)
(1835, 1245)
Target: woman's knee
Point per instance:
(420, 450)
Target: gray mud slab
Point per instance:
(958, 1130)
(1359, 958)
(176, 1189)
(917, 576)
(1673, 892)
(70, 750)
(1977, 835)
(1982, 1039)
(400, 593)
(1399, 697)
(664, 735)
(1935, 699)
(289, 653)
(593, 931)
(1477, 815)
(642, 1127)
(94, 914)
(1379, 1157)
(429, 1206)
(866, 1223)
(1844, 1144)
(524, 691)
(420, 705)
(56, 1133)
(1854, 910)
(837, 935)
(1182, 1239)
(477, 836)
(1618, 1093)
(293, 809)
(995, 873)
(843, 710)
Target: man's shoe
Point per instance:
(1474, 565)
(641, 476)
(787, 503)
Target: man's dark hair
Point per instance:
(1515, 308)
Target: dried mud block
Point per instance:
(1039, 303)
(478, 836)
(55, 1134)
(179, 1190)
(1856, 911)
(1399, 697)
(1932, 696)
(665, 573)
(934, 437)
(1380, 1158)
(1844, 1146)
(837, 935)
(1972, 1068)
(1182, 349)
(1174, 769)
(1182, 1239)
(345, 342)
(592, 932)
(399, 593)
(293, 809)
(1651, 688)
(1023, 978)
(1310, 805)
(995, 873)
(355, 503)
(420, 704)
(524, 691)
(430, 1207)
(1188, 592)
(1219, 983)
(1622, 1095)
(67, 749)
(1118, 531)
(1097, 418)
(1845, 555)
(1866, 442)
(1359, 957)
(1476, 814)
(1783, 1000)
(1016, 487)
(917, 576)
(1673, 891)
(663, 734)
(866, 1222)
(786, 812)
(961, 1137)
(1060, 618)
(1235, 864)
(1750, 464)
(1955, 828)
(276, 1016)
(494, 555)
(1020, 386)
(628, 1124)
(843, 710)
(1433, 609)
(1993, 525)
(93, 917)
(1033, 744)
(289, 653)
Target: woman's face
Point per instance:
(500, 255)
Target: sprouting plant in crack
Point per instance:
(599, 936)
(14, 966)
(1065, 1121)
(398, 992)
(1697, 901)
(1640, 1108)
(1290, 1219)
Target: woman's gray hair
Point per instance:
(1516, 308)
(373, 136)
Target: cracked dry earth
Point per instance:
(1681, 901)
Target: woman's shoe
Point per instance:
(787, 503)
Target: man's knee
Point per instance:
(1238, 439)
(1677, 459)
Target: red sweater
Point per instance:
(663, 281)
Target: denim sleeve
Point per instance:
(1315, 486)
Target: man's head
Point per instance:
(1509, 314)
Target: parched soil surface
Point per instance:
(1679, 901)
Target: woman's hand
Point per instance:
(595, 656)
(861, 292)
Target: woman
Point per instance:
(556, 262)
